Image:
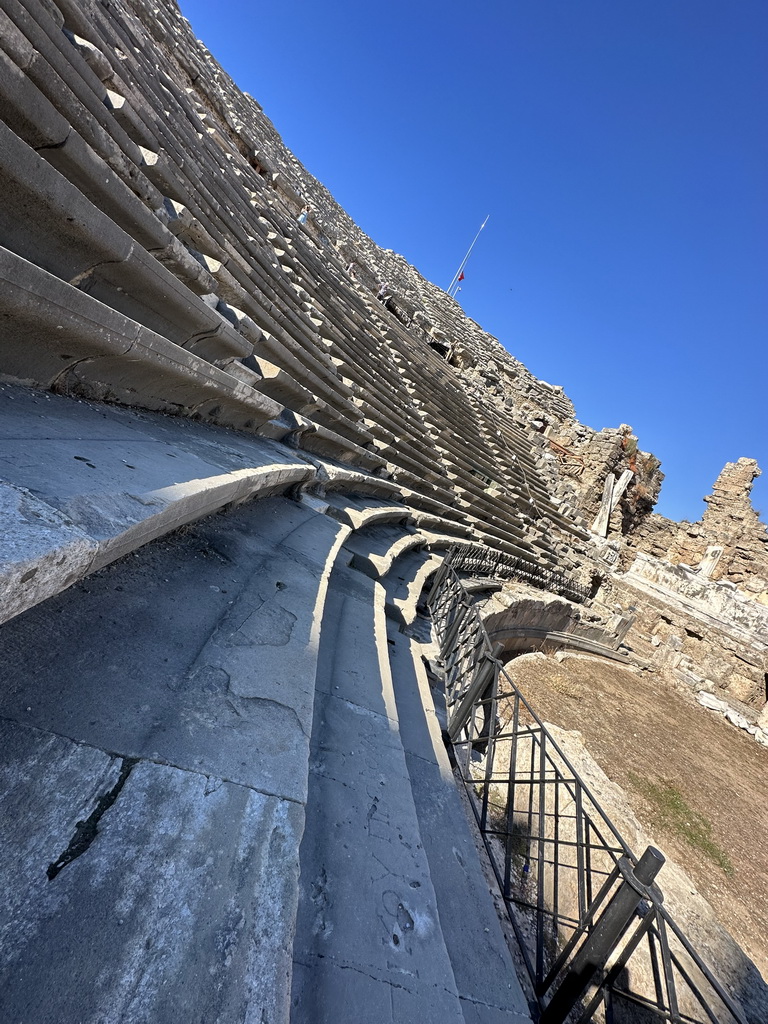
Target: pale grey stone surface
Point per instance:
(215, 677)
(192, 665)
(47, 785)
(181, 909)
(368, 945)
(485, 975)
(82, 485)
(42, 550)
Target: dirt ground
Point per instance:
(648, 737)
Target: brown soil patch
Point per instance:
(648, 737)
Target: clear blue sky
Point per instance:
(621, 150)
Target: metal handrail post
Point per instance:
(604, 937)
(485, 673)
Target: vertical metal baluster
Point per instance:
(656, 969)
(511, 794)
(669, 978)
(588, 860)
(490, 754)
(556, 848)
(540, 965)
(580, 867)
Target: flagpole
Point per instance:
(455, 278)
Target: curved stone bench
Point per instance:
(106, 481)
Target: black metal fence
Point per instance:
(596, 938)
(497, 565)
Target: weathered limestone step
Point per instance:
(488, 986)
(55, 66)
(420, 500)
(419, 467)
(376, 548)
(395, 414)
(404, 584)
(365, 365)
(283, 388)
(66, 235)
(34, 118)
(193, 665)
(307, 368)
(373, 549)
(358, 512)
(518, 638)
(350, 426)
(383, 436)
(327, 442)
(52, 334)
(416, 484)
(424, 465)
(500, 508)
(439, 524)
(368, 944)
(335, 476)
(106, 480)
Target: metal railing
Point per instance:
(595, 937)
(497, 565)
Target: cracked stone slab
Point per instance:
(47, 785)
(175, 654)
(180, 910)
(326, 991)
(475, 1012)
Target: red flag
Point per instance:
(461, 276)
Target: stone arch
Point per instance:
(548, 623)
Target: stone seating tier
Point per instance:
(134, 133)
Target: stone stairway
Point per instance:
(173, 344)
(395, 922)
(167, 723)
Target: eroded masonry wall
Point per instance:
(729, 542)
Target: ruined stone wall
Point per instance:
(730, 542)
(703, 633)
(654, 535)
(581, 459)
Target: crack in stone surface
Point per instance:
(86, 831)
(161, 762)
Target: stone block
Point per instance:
(183, 903)
(42, 551)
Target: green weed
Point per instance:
(673, 813)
